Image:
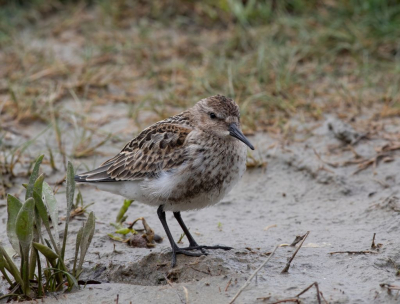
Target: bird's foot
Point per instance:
(186, 251)
(176, 250)
(202, 247)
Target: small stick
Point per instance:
(200, 270)
(186, 294)
(287, 300)
(389, 286)
(297, 300)
(227, 285)
(316, 286)
(354, 252)
(263, 298)
(373, 246)
(297, 240)
(294, 254)
(252, 276)
(322, 295)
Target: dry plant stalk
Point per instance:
(252, 276)
(285, 270)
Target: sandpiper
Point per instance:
(188, 161)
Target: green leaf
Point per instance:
(123, 210)
(70, 186)
(46, 251)
(38, 186)
(115, 238)
(11, 266)
(40, 289)
(3, 267)
(24, 230)
(33, 177)
(37, 231)
(24, 223)
(125, 231)
(87, 235)
(41, 209)
(77, 245)
(13, 207)
(2, 262)
(70, 201)
(52, 208)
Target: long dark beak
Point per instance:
(235, 132)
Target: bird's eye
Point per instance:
(213, 116)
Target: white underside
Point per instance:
(156, 193)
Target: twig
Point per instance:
(186, 294)
(322, 295)
(297, 240)
(263, 298)
(316, 287)
(389, 286)
(200, 270)
(334, 165)
(287, 300)
(373, 246)
(355, 252)
(294, 254)
(227, 285)
(297, 300)
(252, 276)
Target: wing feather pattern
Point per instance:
(157, 148)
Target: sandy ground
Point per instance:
(297, 192)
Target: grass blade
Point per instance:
(70, 277)
(12, 268)
(70, 201)
(40, 290)
(3, 267)
(13, 207)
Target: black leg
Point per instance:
(175, 248)
(190, 238)
(192, 242)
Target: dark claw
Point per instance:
(178, 250)
(202, 247)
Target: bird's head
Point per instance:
(220, 116)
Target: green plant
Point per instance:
(24, 231)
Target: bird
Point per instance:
(185, 162)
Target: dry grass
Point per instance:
(61, 60)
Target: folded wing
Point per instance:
(159, 147)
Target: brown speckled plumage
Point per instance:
(188, 161)
(191, 149)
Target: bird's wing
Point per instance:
(159, 147)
